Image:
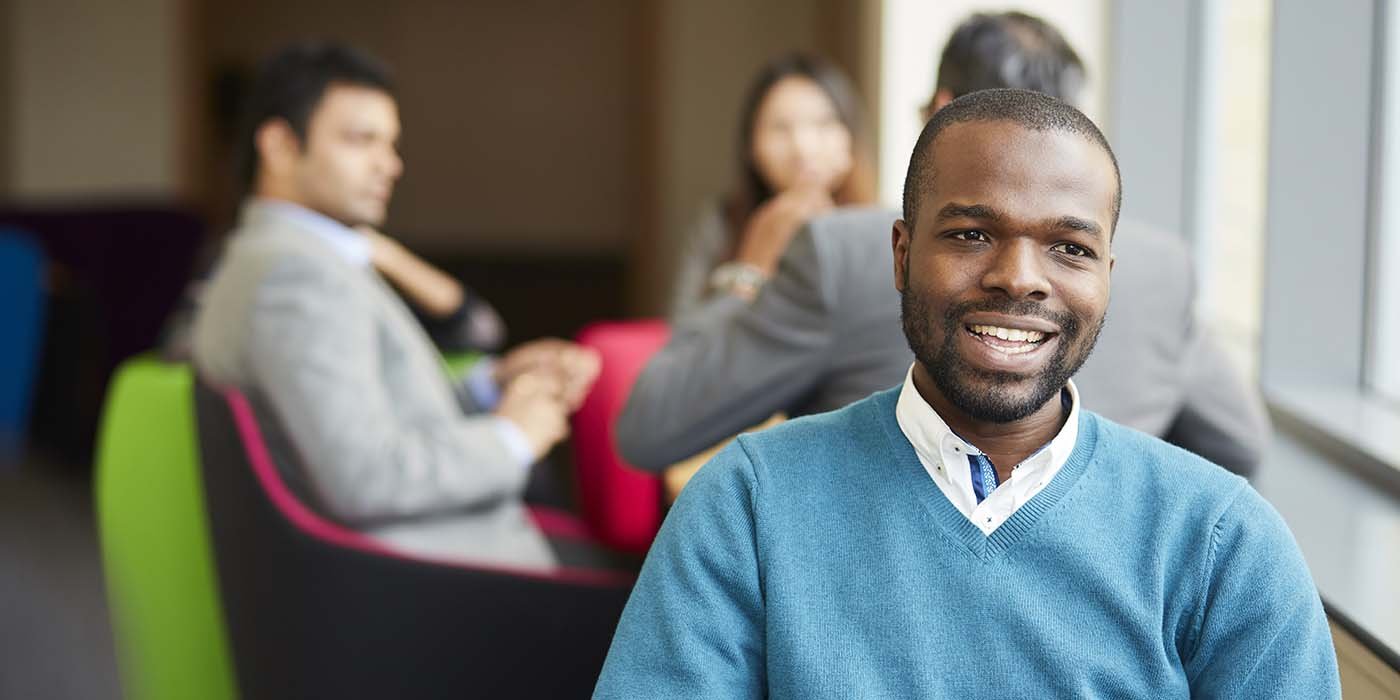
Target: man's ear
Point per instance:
(900, 238)
(278, 146)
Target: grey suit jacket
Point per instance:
(356, 401)
(826, 332)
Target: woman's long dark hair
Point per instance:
(751, 190)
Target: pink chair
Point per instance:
(621, 504)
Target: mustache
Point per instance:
(1068, 324)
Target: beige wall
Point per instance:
(531, 127)
(518, 118)
(93, 105)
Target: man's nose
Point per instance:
(391, 163)
(1018, 271)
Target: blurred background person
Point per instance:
(824, 333)
(802, 151)
(368, 425)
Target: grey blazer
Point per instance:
(826, 332)
(368, 427)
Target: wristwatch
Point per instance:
(738, 278)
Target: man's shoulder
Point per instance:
(1148, 468)
(853, 230)
(818, 440)
(267, 255)
(848, 252)
(872, 220)
(1145, 248)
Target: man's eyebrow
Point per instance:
(1075, 223)
(968, 211)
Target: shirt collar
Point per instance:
(931, 436)
(352, 245)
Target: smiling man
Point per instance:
(975, 532)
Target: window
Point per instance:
(1383, 312)
(1231, 158)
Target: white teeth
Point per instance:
(1012, 334)
(1016, 351)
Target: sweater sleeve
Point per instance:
(1261, 630)
(694, 626)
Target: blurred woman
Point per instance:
(802, 151)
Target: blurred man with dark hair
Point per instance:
(369, 427)
(1007, 49)
(824, 331)
(830, 557)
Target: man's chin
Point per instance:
(996, 398)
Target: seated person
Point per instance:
(803, 151)
(356, 401)
(976, 532)
(824, 331)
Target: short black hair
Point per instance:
(290, 84)
(1031, 110)
(1009, 50)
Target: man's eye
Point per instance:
(1077, 251)
(969, 236)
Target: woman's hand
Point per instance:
(772, 226)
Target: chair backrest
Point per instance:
(22, 311)
(317, 610)
(620, 503)
(161, 587)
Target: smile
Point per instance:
(1009, 341)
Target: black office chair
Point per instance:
(317, 610)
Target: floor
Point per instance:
(55, 641)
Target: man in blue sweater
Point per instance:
(975, 533)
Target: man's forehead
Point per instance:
(998, 141)
(348, 102)
(1021, 171)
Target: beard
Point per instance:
(991, 396)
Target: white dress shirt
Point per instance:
(944, 456)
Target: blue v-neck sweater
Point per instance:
(818, 560)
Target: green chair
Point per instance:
(165, 608)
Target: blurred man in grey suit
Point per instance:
(825, 330)
(369, 427)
